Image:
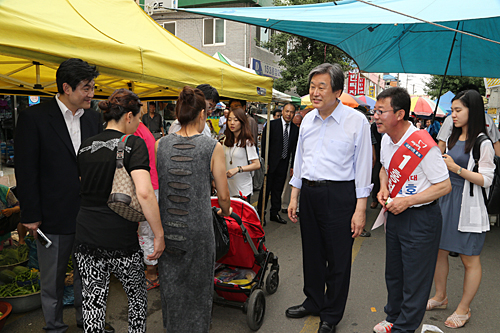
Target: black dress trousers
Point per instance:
(325, 224)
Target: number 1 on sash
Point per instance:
(406, 158)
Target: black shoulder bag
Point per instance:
(492, 200)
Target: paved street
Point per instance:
(366, 298)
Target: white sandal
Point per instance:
(433, 304)
(457, 321)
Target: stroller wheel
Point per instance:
(256, 309)
(272, 282)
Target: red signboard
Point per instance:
(352, 83)
(361, 86)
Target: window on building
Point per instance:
(263, 36)
(170, 27)
(214, 31)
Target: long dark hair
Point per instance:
(476, 123)
(245, 134)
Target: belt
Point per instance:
(317, 182)
(425, 206)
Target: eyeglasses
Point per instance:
(382, 112)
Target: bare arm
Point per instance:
(484, 176)
(358, 219)
(374, 156)
(383, 193)
(442, 146)
(292, 206)
(218, 165)
(254, 165)
(147, 199)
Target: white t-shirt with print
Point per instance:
(240, 181)
(431, 170)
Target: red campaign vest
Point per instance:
(407, 158)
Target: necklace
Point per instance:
(231, 154)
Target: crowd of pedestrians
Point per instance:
(430, 194)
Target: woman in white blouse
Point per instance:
(465, 218)
(241, 155)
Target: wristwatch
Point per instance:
(459, 172)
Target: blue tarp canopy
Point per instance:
(383, 41)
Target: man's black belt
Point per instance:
(425, 206)
(318, 182)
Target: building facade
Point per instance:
(236, 41)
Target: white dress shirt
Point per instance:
(283, 124)
(338, 148)
(72, 123)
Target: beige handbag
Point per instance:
(123, 200)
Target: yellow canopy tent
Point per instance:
(129, 48)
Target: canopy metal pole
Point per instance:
(270, 108)
(445, 72)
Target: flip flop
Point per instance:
(151, 284)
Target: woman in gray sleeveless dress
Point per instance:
(185, 162)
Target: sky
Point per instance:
(414, 83)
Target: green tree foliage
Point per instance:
(299, 55)
(453, 84)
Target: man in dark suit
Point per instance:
(47, 140)
(280, 153)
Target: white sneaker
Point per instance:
(383, 327)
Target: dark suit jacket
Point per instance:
(276, 143)
(48, 183)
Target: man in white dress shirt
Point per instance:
(332, 173)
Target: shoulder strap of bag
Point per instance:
(476, 154)
(120, 151)
(246, 153)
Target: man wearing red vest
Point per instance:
(413, 176)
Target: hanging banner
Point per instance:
(490, 83)
(361, 86)
(352, 83)
(371, 91)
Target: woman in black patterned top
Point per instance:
(106, 242)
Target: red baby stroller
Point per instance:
(239, 275)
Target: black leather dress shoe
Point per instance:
(297, 311)
(107, 327)
(278, 218)
(325, 327)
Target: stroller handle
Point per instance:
(235, 217)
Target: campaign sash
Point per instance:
(407, 158)
(403, 163)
